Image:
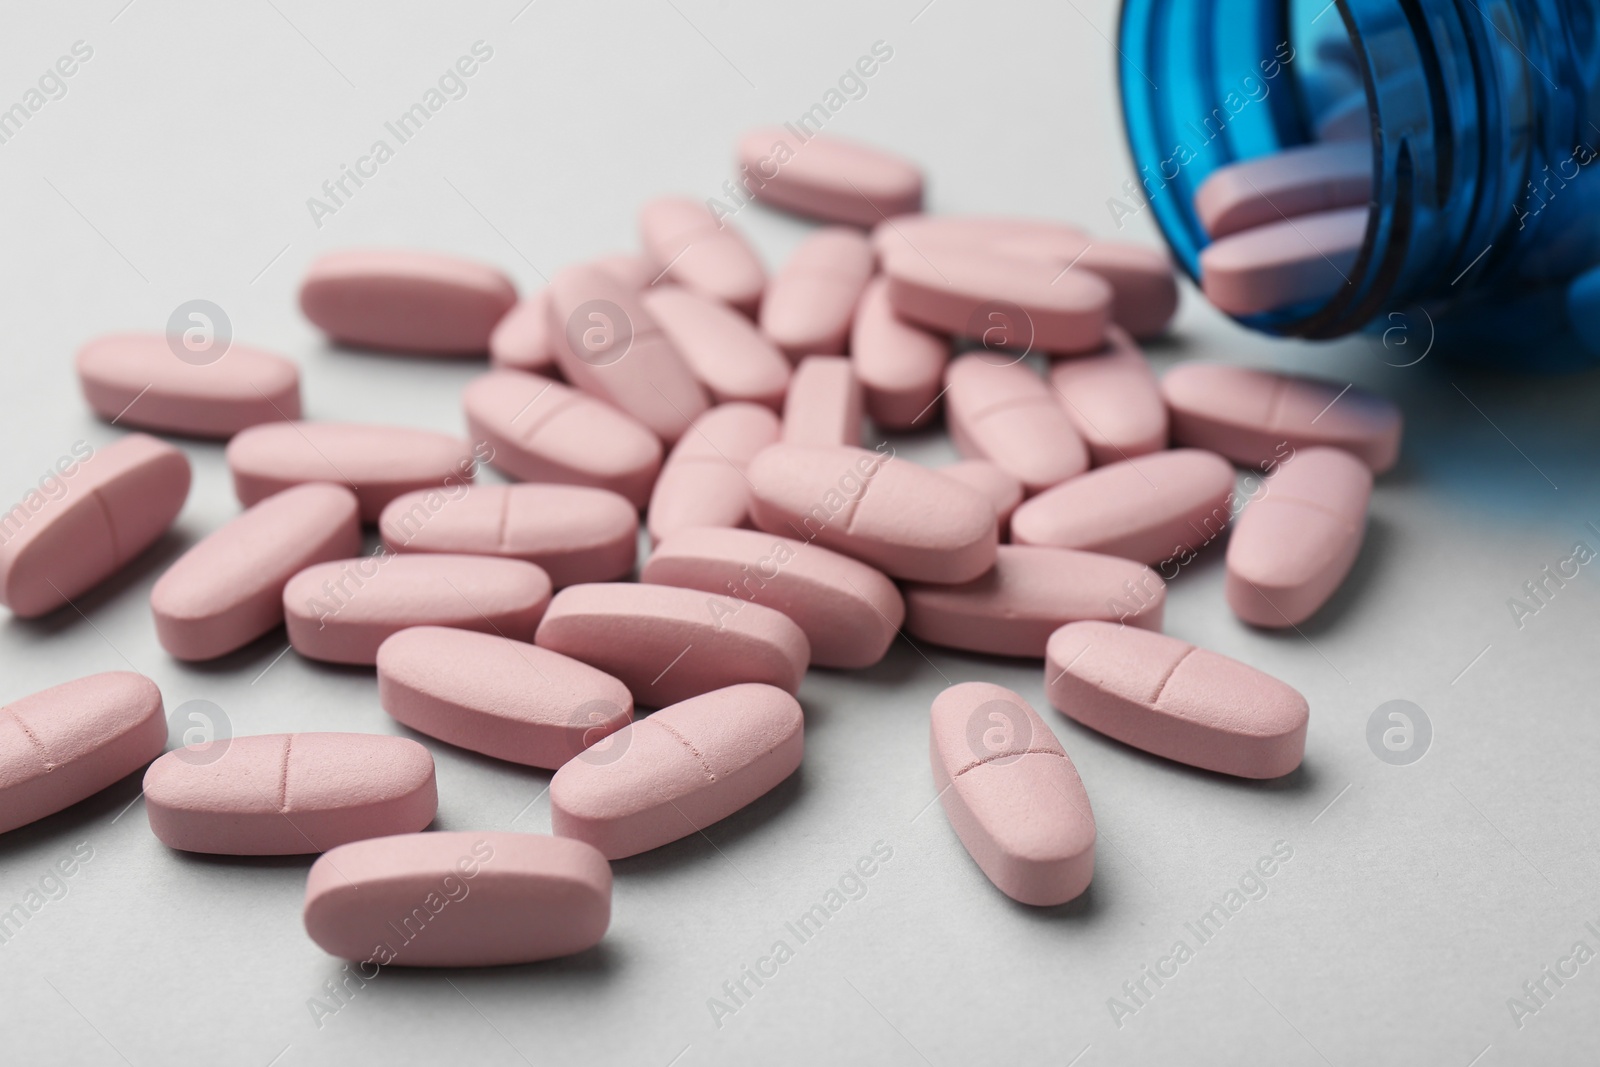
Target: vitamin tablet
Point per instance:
(726, 353)
(406, 301)
(824, 405)
(1112, 400)
(690, 246)
(1286, 184)
(831, 179)
(900, 366)
(810, 303)
(1284, 263)
(911, 233)
(521, 340)
(704, 481)
(629, 269)
(1002, 489)
(1144, 289)
(1002, 411)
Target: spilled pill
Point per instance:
(1293, 182)
(911, 233)
(704, 481)
(1112, 400)
(810, 303)
(1002, 411)
(831, 179)
(722, 349)
(406, 301)
(521, 340)
(824, 404)
(900, 365)
(685, 241)
(1144, 289)
(1283, 263)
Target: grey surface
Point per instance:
(1418, 898)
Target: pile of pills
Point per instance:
(727, 407)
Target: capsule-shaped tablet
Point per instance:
(849, 611)
(1144, 288)
(1011, 794)
(507, 699)
(1283, 263)
(288, 794)
(1112, 400)
(609, 345)
(913, 232)
(1171, 699)
(633, 271)
(466, 898)
(66, 743)
(824, 403)
(521, 340)
(540, 430)
(1293, 182)
(341, 611)
(1257, 418)
(377, 463)
(406, 301)
(810, 302)
(831, 179)
(1164, 506)
(686, 242)
(1002, 489)
(1005, 413)
(139, 380)
(107, 506)
(680, 770)
(905, 520)
(900, 365)
(227, 590)
(667, 644)
(1293, 546)
(574, 533)
(1031, 592)
(704, 481)
(726, 353)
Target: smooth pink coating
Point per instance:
(810, 302)
(831, 179)
(1112, 399)
(1002, 489)
(722, 348)
(900, 365)
(1143, 285)
(684, 240)
(1283, 263)
(1002, 411)
(824, 406)
(704, 481)
(406, 301)
(1289, 183)
(521, 340)
(910, 233)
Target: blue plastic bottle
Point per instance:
(1484, 121)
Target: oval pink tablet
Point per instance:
(1112, 400)
(107, 506)
(704, 482)
(1280, 264)
(1002, 489)
(136, 379)
(468, 898)
(406, 301)
(1011, 794)
(629, 269)
(824, 403)
(1144, 288)
(811, 301)
(377, 463)
(507, 699)
(521, 340)
(832, 179)
(1030, 593)
(66, 743)
(905, 520)
(722, 348)
(668, 644)
(1164, 506)
(1005, 413)
(287, 794)
(1171, 699)
(850, 612)
(680, 770)
(543, 431)
(573, 532)
(227, 590)
(341, 611)
(912, 232)
(1257, 418)
(685, 241)
(1293, 182)
(1292, 547)
(900, 365)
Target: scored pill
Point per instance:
(704, 481)
(726, 353)
(1112, 399)
(824, 404)
(810, 303)
(686, 242)
(1005, 413)
(900, 365)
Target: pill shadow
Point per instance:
(251, 658)
(594, 966)
(152, 561)
(718, 839)
(82, 821)
(1079, 911)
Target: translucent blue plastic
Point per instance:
(1485, 130)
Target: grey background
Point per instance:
(1418, 898)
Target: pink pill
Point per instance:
(1011, 794)
(609, 346)
(507, 699)
(1143, 286)
(912, 233)
(1171, 699)
(66, 743)
(810, 302)
(227, 590)
(341, 611)
(726, 353)
(574, 533)
(1030, 593)
(849, 611)
(668, 644)
(521, 340)
(905, 520)
(1005, 413)
(377, 463)
(404, 301)
(287, 794)
(116, 502)
(685, 241)
(1284, 263)
(900, 366)
(1164, 506)
(540, 430)
(633, 271)
(831, 179)
(1292, 547)
(470, 898)
(137, 380)
(824, 405)
(1294, 182)
(680, 770)
(1112, 400)
(1002, 489)
(1257, 418)
(704, 481)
